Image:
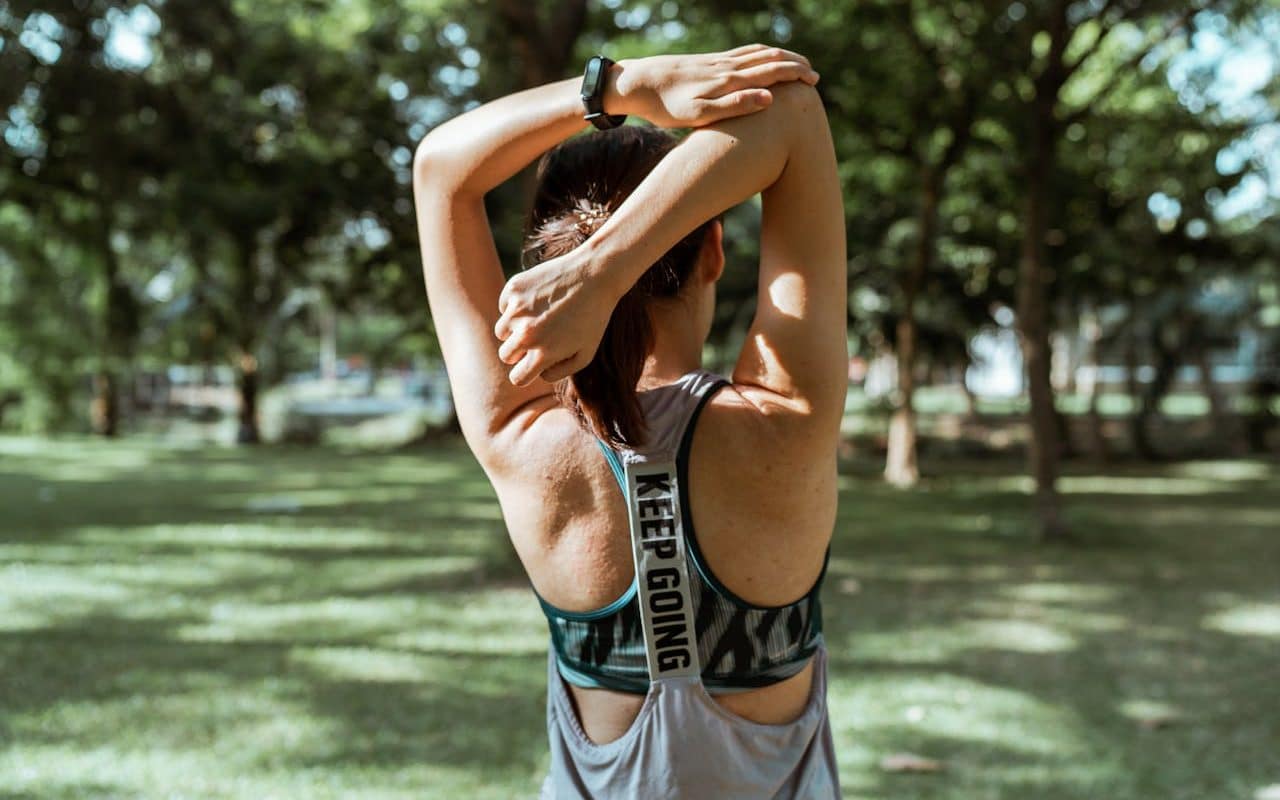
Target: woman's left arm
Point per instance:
(467, 156)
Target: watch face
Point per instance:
(592, 77)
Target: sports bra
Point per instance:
(739, 645)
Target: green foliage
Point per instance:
(214, 173)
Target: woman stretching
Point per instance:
(674, 525)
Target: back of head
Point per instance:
(581, 182)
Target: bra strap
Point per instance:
(662, 572)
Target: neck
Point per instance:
(677, 348)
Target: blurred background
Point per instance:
(244, 553)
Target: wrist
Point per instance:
(607, 267)
(620, 88)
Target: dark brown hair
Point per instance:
(580, 182)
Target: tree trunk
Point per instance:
(328, 345)
(1217, 406)
(901, 468)
(247, 384)
(1167, 345)
(104, 411)
(1063, 353)
(1262, 420)
(1033, 324)
(119, 326)
(543, 46)
(1092, 330)
(970, 399)
(1066, 448)
(1138, 439)
(901, 465)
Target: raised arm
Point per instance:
(462, 159)
(455, 165)
(795, 352)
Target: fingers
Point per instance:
(562, 370)
(528, 368)
(744, 101)
(529, 363)
(764, 55)
(746, 48)
(772, 72)
(532, 364)
(507, 300)
(505, 296)
(510, 351)
(503, 328)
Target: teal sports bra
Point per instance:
(739, 645)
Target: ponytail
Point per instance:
(580, 183)
(602, 395)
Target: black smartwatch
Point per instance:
(593, 82)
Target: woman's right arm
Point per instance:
(795, 355)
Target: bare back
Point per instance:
(763, 525)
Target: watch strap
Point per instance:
(594, 80)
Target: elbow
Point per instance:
(426, 162)
(796, 98)
(435, 167)
(797, 114)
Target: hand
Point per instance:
(686, 91)
(553, 317)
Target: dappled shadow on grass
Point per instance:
(48, 495)
(269, 703)
(265, 622)
(379, 631)
(1111, 643)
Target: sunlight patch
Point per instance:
(1067, 592)
(931, 573)
(504, 621)
(1225, 470)
(319, 620)
(894, 711)
(1150, 713)
(38, 596)
(365, 664)
(298, 499)
(1117, 484)
(1256, 619)
(258, 536)
(1022, 636)
(1072, 618)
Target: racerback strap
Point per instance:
(650, 479)
(662, 572)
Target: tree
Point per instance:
(89, 143)
(1063, 40)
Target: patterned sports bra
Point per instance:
(739, 645)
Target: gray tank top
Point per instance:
(682, 744)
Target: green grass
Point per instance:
(314, 623)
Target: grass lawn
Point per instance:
(314, 623)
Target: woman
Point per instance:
(687, 658)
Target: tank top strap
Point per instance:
(650, 480)
(667, 412)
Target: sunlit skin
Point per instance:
(763, 522)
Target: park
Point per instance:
(246, 550)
